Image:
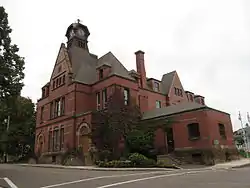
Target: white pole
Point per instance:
(7, 129)
(244, 135)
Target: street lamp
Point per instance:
(245, 138)
(7, 130)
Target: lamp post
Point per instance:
(7, 131)
(244, 137)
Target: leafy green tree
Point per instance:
(113, 124)
(11, 69)
(139, 141)
(11, 64)
(20, 137)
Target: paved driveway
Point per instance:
(33, 177)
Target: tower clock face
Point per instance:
(80, 32)
(72, 33)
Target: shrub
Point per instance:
(114, 164)
(139, 160)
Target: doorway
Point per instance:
(170, 140)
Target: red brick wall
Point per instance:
(180, 130)
(214, 118)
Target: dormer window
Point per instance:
(156, 86)
(101, 74)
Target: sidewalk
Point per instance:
(227, 165)
(93, 168)
(233, 164)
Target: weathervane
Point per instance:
(78, 20)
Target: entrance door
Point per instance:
(84, 142)
(170, 139)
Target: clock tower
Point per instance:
(77, 35)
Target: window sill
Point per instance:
(194, 138)
(57, 117)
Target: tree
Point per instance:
(11, 73)
(11, 68)
(113, 124)
(139, 141)
(21, 134)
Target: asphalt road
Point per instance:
(13, 176)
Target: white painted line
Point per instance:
(10, 183)
(96, 178)
(149, 178)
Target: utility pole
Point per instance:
(7, 131)
(244, 136)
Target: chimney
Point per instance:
(140, 66)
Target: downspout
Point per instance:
(74, 126)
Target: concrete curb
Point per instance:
(96, 168)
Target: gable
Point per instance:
(117, 67)
(177, 93)
(62, 63)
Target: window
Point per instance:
(80, 44)
(63, 79)
(126, 96)
(56, 140)
(57, 107)
(51, 110)
(222, 131)
(42, 111)
(191, 98)
(50, 143)
(54, 84)
(101, 74)
(98, 101)
(193, 131)
(202, 101)
(57, 82)
(197, 100)
(156, 86)
(63, 106)
(60, 81)
(178, 92)
(158, 104)
(62, 138)
(104, 98)
(43, 93)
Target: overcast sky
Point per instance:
(206, 41)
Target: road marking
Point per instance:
(149, 178)
(10, 183)
(100, 177)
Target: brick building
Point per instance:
(81, 82)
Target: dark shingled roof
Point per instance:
(116, 67)
(84, 65)
(181, 107)
(166, 81)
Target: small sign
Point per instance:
(216, 142)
